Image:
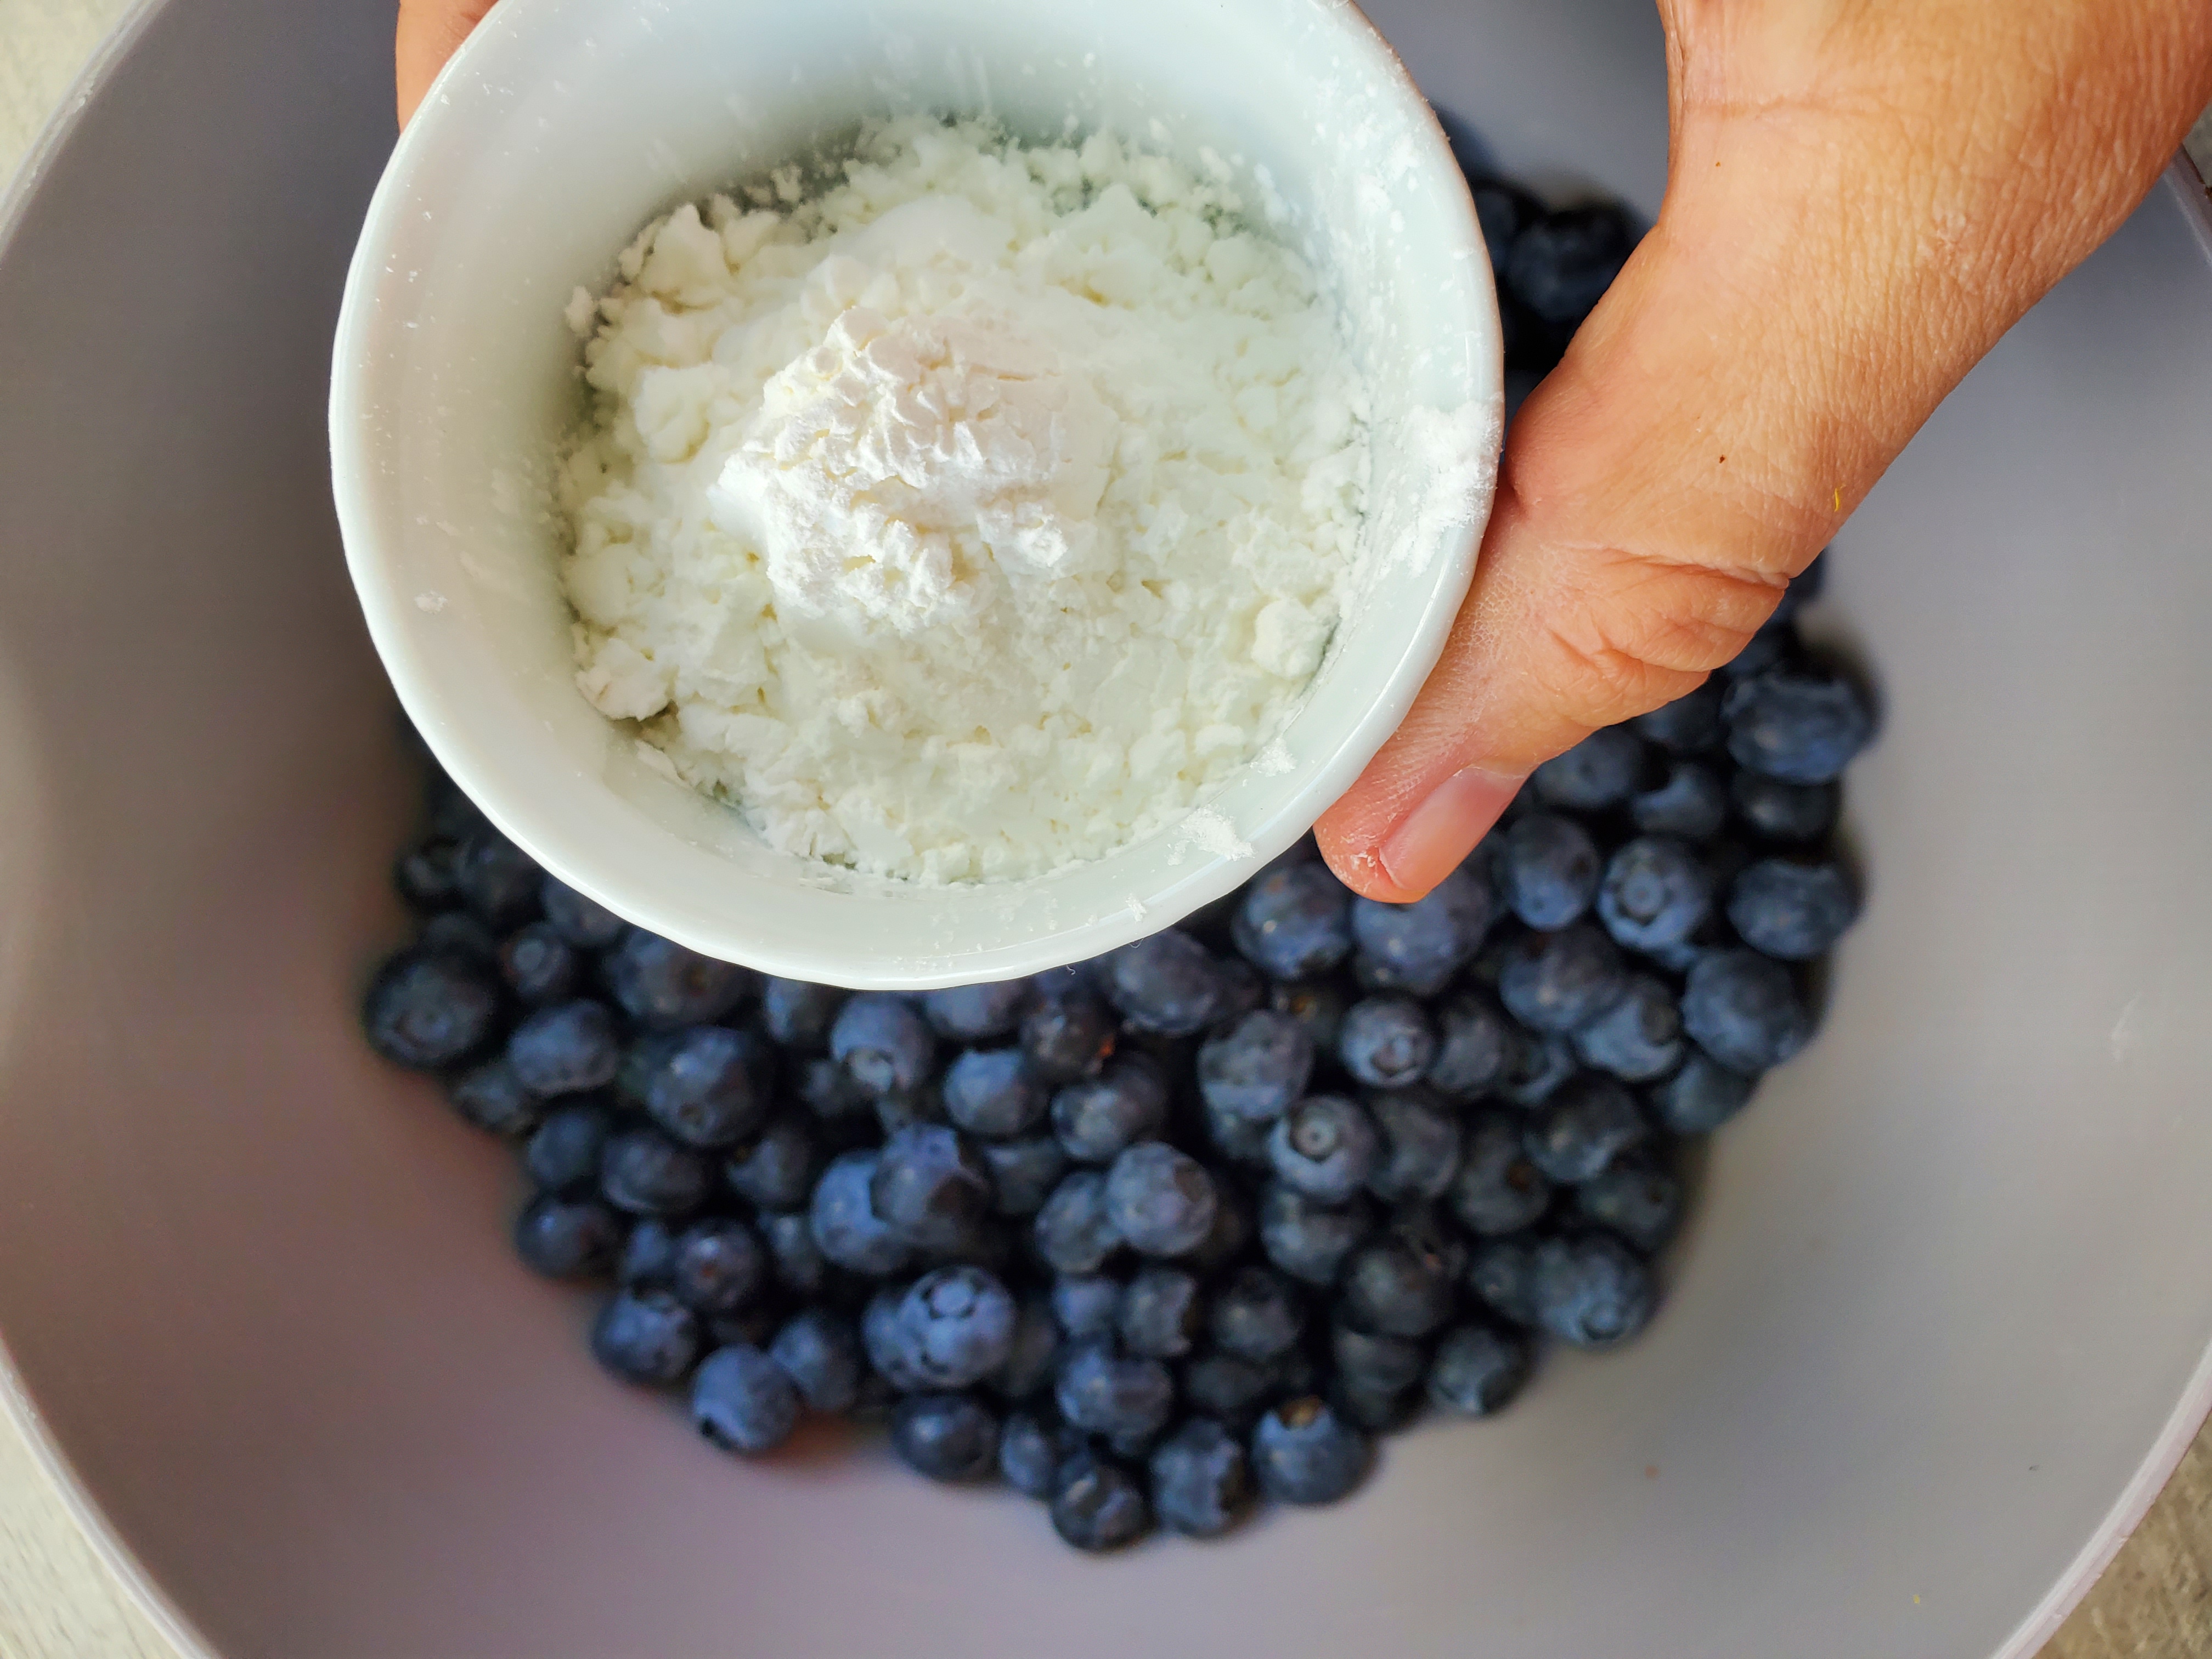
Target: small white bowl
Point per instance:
(564, 125)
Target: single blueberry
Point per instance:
(1386, 1042)
(1498, 1188)
(497, 880)
(646, 1173)
(1477, 1369)
(1602, 770)
(1316, 1005)
(564, 1237)
(1374, 1363)
(1802, 725)
(1161, 1313)
(1086, 1306)
(565, 1150)
(1657, 892)
(565, 1050)
(1201, 1479)
(1256, 1067)
(885, 1339)
(1325, 1146)
(1257, 1315)
(1307, 1238)
(1561, 266)
(1591, 1291)
(1475, 1045)
(646, 1336)
(1101, 1392)
(1690, 725)
(427, 876)
(1294, 921)
(843, 1218)
(492, 1098)
(648, 1255)
(583, 922)
(1547, 870)
(1022, 1172)
(1067, 1035)
(1401, 1282)
(1792, 910)
(1501, 1272)
(1577, 1134)
(1034, 1359)
(1557, 981)
(1160, 1202)
(819, 1350)
(426, 1011)
(1418, 947)
(1222, 1386)
(955, 1326)
(1643, 1206)
(1169, 984)
(718, 1266)
(1098, 1505)
(743, 1401)
(993, 1093)
(977, 1013)
(884, 1041)
(1421, 1146)
(457, 934)
(1030, 1454)
(1639, 1038)
(798, 1014)
(1539, 1066)
(777, 1171)
(1304, 1453)
(1779, 812)
(930, 1185)
(538, 965)
(1742, 1009)
(1693, 804)
(1701, 1097)
(707, 1086)
(1075, 1233)
(799, 1267)
(664, 986)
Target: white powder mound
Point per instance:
(972, 518)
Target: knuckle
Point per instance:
(1640, 630)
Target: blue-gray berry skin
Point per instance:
(1691, 725)
(1562, 265)
(492, 1098)
(743, 1401)
(1317, 1004)
(1477, 1369)
(1498, 1188)
(1033, 1358)
(1386, 1042)
(1692, 804)
(1377, 1362)
(819, 1350)
(796, 1258)
(977, 1013)
(538, 965)
(1325, 1146)
(1169, 984)
(646, 1337)
(844, 1221)
(798, 1014)
(1590, 1290)
(777, 1170)
(1307, 1238)
(1656, 895)
(1791, 813)
(1304, 1453)
(1226, 1387)
(718, 1265)
(1791, 909)
(564, 1151)
(1104, 1393)
(930, 1186)
(1401, 1282)
(1600, 771)
(1098, 1118)
(430, 1010)
(1160, 1202)
(1074, 1231)
(644, 1172)
(1031, 1452)
(425, 876)
(568, 1237)
(664, 986)
(1547, 870)
(957, 1327)
(1743, 1010)
(1700, 1097)
(1161, 1313)
(497, 880)
(1539, 1066)
(1577, 1134)
(1098, 1505)
(1201, 1479)
(1801, 725)
(993, 1093)
(1418, 947)
(945, 1437)
(585, 923)
(1501, 1273)
(1067, 1034)
(1643, 1206)
(1255, 1068)
(1554, 982)
(1022, 1172)
(1419, 1146)
(1474, 1047)
(1639, 1038)
(1294, 921)
(882, 1042)
(1257, 1315)
(707, 1085)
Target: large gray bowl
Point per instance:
(1941, 1324)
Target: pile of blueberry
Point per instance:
(1159, 1234)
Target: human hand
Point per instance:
(1863, 196)
(430, 31)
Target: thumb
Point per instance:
(429, 31)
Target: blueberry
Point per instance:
(776, 1172)
(1169, 984)
(1643, 1206)
(1256, 1316)
(1034, 1358)
(828, 1090)
(1504, 211)
(1693, 804)
(843, 1218)
(1067, 1035)
(563, 1237)
(664, 986)
(882, 1042)
(1690, 725)
(820, 1352)
(1498, 1188)
(1074, 1231)
(1225, 1387)
(1775, 645)
(1547, 870)
(565, 1151)
(1325, 1146)
(1201, 1479)
(1376, 1411)
(1802, 725)
(427, 876)
(1161, 1313)
(1386, 1042)
(1501, 1272)
(1030, 1454)
(1701, 1097)
(799, 1265)
(565, 1050)
(1590, 1290)
(1577, 1134)
(706, 1086)
(1401, 1282)
(883, 1339)
(1096, 1505)
(1086, 1305)
(646, 1173)
(992, 1092)
(497, 880)
(1474, 1047)
(1743, 1010)
(1239, 1139)
(538, 965)
(797, 1014)
(1657, 892)
(1792, 910)
(1022, 1172)
(1376, 1364)
(743, 1401)
(976, 1013)
(955, 1326)
(718, 1266)
(1602, 770)
(1420, 1146)
(1477, 1369)
(583, 922)
(457, 934)
(492, 1098)
(646, 1336)
(1160, 1202)
(1294, 921)
(1557, 981)
(648, 1255)
(1539, 1066)
(1561, 266)
(1639, 1038)
(1418, 947)
(429, 1010)
(1101, 1392)
(1775, 811)
(1255, 1068)
(929, 1186)
(1318, 1006)
(1307, 1238)
(1229, 1235)
(1304, 1453)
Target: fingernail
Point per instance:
(1442, 830)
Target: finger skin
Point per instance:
(1863, 195)
(429, 33)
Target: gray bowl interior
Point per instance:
(1949, 1291)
